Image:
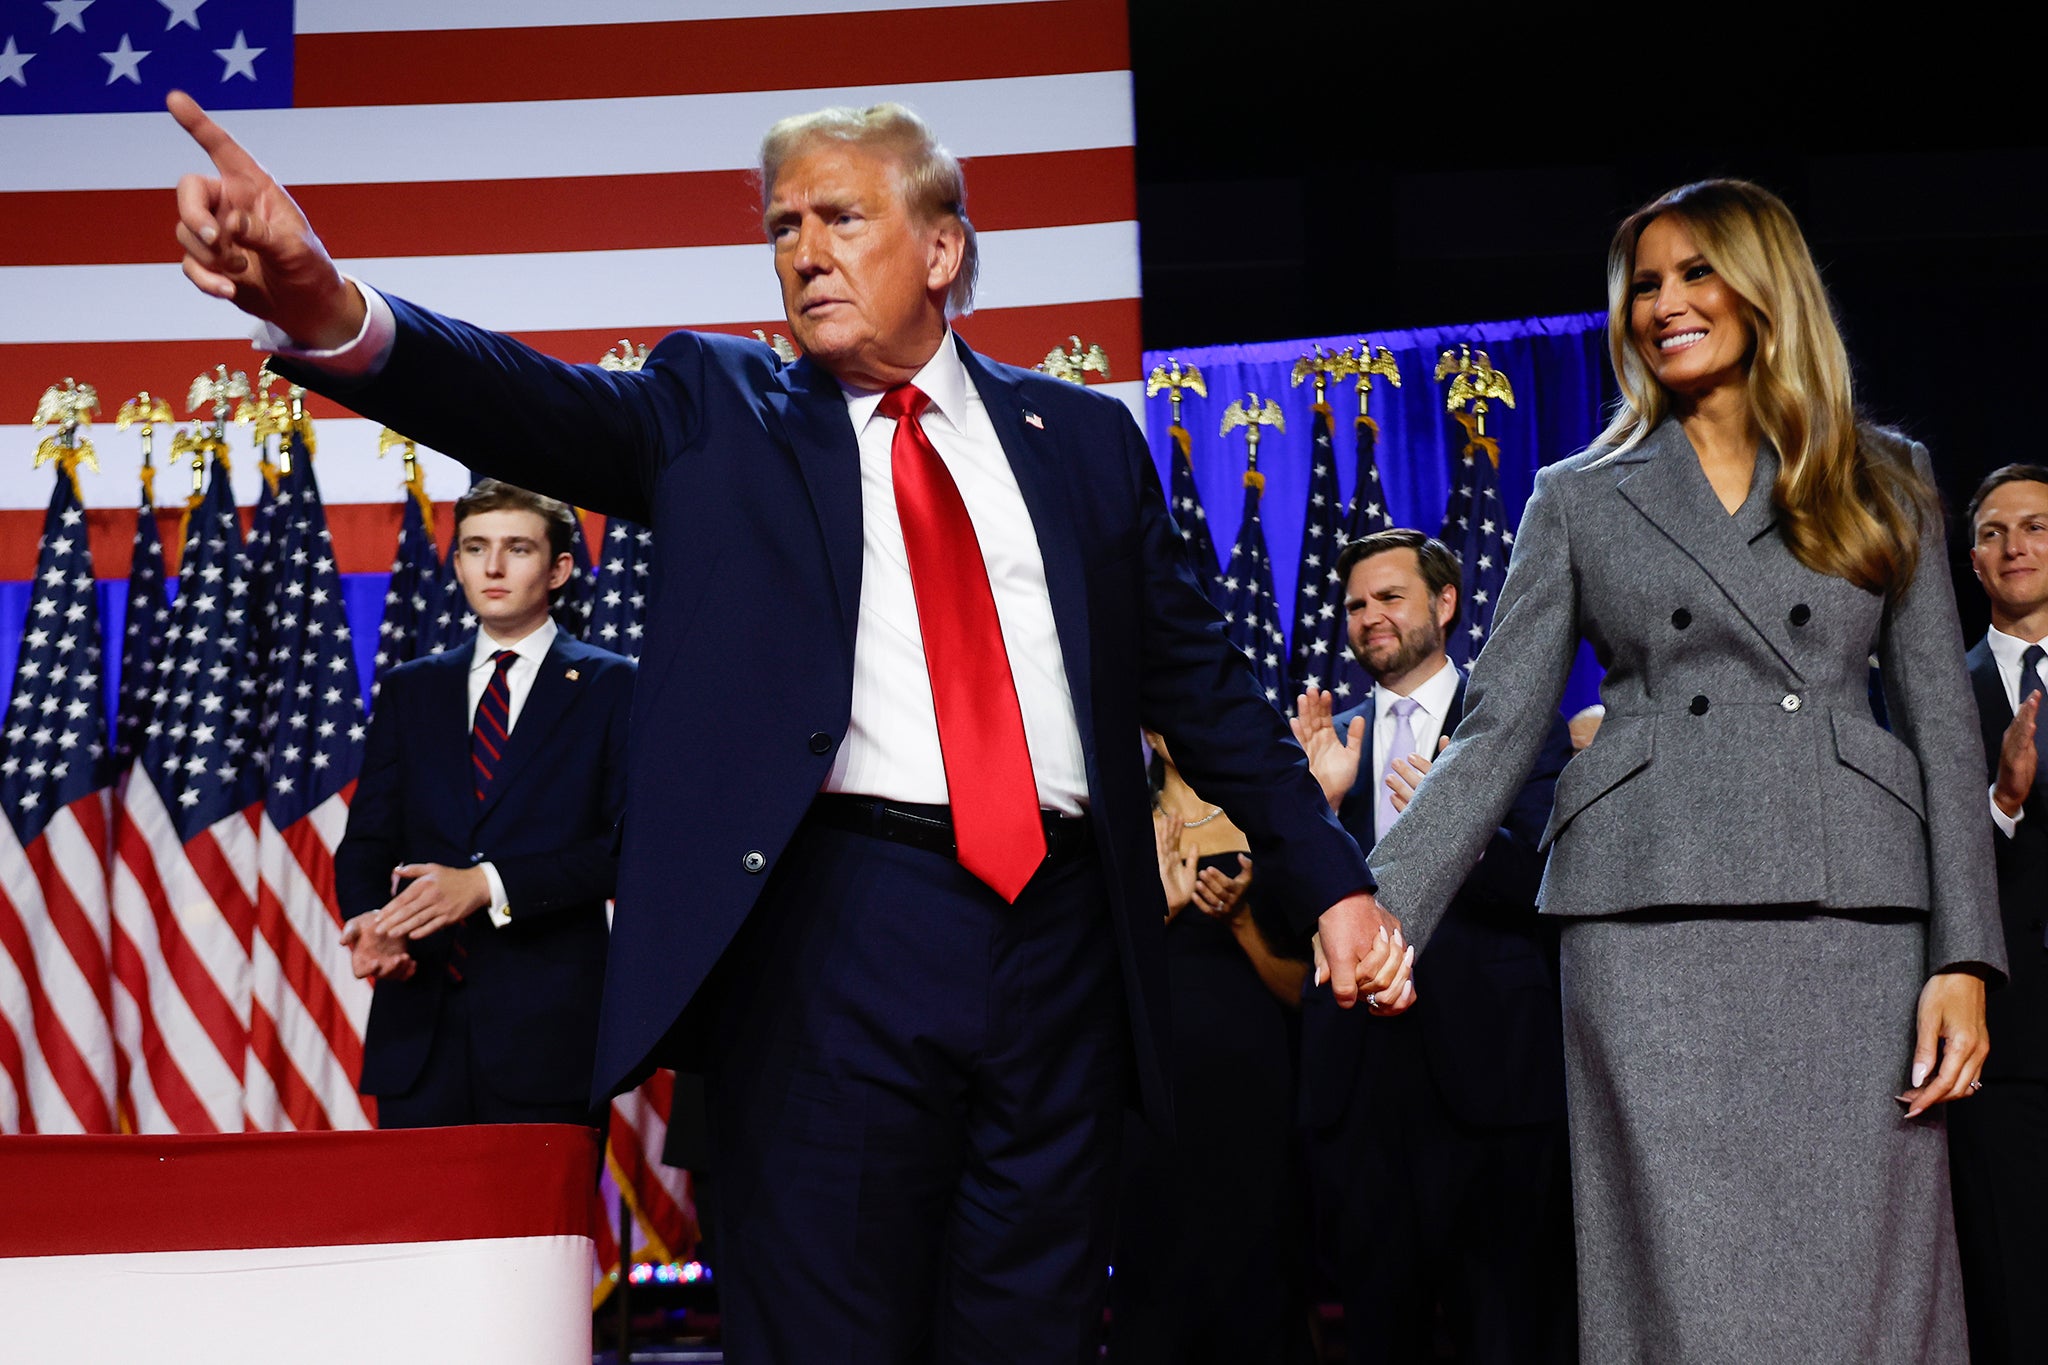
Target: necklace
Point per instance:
(1214, 811)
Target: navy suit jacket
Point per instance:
(1487, 1011)
(748, 470)
(2018, 1015)
(549, 826)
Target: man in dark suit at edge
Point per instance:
(1998, 1145)
(1442, 1132)
(905, 991)
(479, 852)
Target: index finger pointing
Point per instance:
(213, 139)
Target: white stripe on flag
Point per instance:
(409, 16)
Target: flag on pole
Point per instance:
(184, 873)
(571, 607)
(142, 637)
(1476, 528)
(415, 573)
(1366, 515)
(1319, 596)
(57, 1057)
(1189, 516)
(307, 1009)
(1251, 619)
(618, 609)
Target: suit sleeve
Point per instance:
(585, 871)
(593, 437)
(1932, 709)
(1510, 707)
(1233, 746)
(371, 845)
(1510, 871)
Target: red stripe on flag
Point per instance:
(561, 213)
(173, 1092)
(15, 1064)
(68, 1067)
(710, 56)
(210, 862)
(301, 1105)
(73, 925)
(1016, 336)
(106, 1195)
(301, 967)
(201, 992)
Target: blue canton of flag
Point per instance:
(1251, 621)
(619, 611)
(1367, 516)
(1320, 596)
(118, 56)
(198, 747)
(142, 638)
(316, 709)
(448, 621)
(1190, 519)
(415, 572)
(1476, 528)
(55, 728)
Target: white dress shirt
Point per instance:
(891, 748)
(2005, 652)
(1433, 699)
(519, 676)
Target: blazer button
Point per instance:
(1699, 706)
(1790, 703)
(821, 743)
(475, 858)
(1801, 614)
(1681, 618)
(753, 862)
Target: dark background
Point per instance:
(1305, 171)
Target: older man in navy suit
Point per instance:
(480, 845)
(887, 875)
(1439, 1137)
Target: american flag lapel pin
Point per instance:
(572, 675)
(1035, 420)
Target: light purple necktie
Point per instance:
(1400, 746)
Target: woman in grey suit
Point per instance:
(1781, 915)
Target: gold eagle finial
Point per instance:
(1322, 366)
(1254, 415)
(1477, 383)
(1173, 378)
(624, 356)
(68, 407)
(1075, 361)
(1367, 363)
(778, 344)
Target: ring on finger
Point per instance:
(1372, 1000)
(1975, 1086)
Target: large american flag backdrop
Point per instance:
(571, 171)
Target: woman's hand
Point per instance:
(1952, 1034)
(1333, 762)
(1176, 868)
(1221, 897)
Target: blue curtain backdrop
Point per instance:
(1557, 365)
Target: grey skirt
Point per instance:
(1744, 1184)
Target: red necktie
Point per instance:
(493, 723)
(994, 796)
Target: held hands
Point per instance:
(2017, 758)
(1952, 1034)
(1333, 760)
(375, 955)
(1176, 865)
(1359, 950)
(438, 897)
(247, 242)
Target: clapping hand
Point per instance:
(436, 897)
(1176, 866)
(1331, 758)
(2018, 759)
(374, 955)
(1221, 897)
(246, 241)
(1404, 775)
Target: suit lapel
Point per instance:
(812, 408)
(552, 694)
(1033, 457)
(1994, 711)
(447, 739)
(1670, 489)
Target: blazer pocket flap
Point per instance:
(1618, 752)
(1865, 747)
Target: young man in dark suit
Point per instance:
(1998, 1142)
(480, 846)
(1442, 1130)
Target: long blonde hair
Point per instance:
(1846, 509)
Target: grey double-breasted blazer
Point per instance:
(1739, 764)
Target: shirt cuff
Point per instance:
(2008, 825)
(360, 358)
(500, 912)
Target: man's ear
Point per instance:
(947, 255)
(558, 575)
(1446, 606)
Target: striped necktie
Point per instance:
(493, 725)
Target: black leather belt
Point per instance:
(931, 827)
